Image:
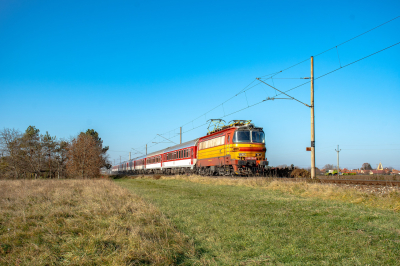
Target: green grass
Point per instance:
(238, 225)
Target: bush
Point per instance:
(300, 173)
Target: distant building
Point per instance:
(395, 172)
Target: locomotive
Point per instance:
(236, 149)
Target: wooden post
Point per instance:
(312, 121)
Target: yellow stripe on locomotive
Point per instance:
(228, 146)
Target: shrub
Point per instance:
(300, 173)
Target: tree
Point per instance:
(61, 153)
(95, 136)
(329, 167)
(11, 157)
(366, 166)
(49, 148)
(31, 147)
(84, 157)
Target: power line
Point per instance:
(293, 87)
(246, 88)
(276, 73)
(356, 61)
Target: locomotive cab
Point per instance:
(248, 144)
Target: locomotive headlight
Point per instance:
(258, 154)
(242, 154)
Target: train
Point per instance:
(235, 149)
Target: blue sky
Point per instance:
(135, 69)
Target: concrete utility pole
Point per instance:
(338, 159)
(180, 142)
(129, 156)
(146, 149)
(312, 121)
(119, 159)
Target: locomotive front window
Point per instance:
(258, 137)
(241, 136)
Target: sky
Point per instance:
(134, 69)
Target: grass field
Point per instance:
(250, 222)
(364, 177)
(84, 222)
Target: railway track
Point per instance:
(361, 182)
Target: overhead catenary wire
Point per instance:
(304, 83)
(353, 38)
(323, 75)
(246, 88)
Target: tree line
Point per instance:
(34, 155)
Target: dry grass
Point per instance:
(390, 200)
(364, 177)
(81, 222)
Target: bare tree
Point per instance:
(366, 166)
(11, 158)
(329, 167)
(99, 141)
(84, 157)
